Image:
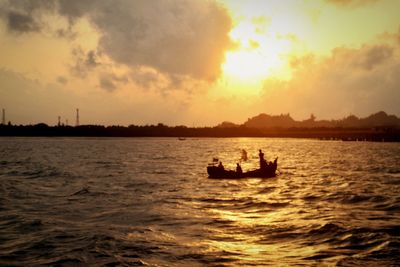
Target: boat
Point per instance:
(268, 171)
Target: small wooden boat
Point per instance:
(267, 171)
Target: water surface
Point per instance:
(147, 201)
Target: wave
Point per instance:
(108, 202)
(83, 191)
(363, 243)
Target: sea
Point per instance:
(149, 202)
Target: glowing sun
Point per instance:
(257, 56)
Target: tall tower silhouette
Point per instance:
(59, 121)
(77, 117)
(3, 120)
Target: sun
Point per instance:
(258, 54)
(245, 65)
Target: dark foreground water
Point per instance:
(147, 201)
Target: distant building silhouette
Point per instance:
(3, 121)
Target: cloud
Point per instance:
(91, 59)
(151, 80)
(375, 56)
(391, 37)
(174, 37)
(109, 81)
(84, 62)
(351, 3)
(62, 80)
(358, 81)
(24, 16)
(18, 22)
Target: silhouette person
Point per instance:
(238, 168)
(261, 156)
(263, 163)
(220, 166)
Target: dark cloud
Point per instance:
(375, 55)
(18, 22)
(24, 16)
(91, 59)
(365, 58)
(66, 33)
(110, 81)
(175, 37)
(74, 9)
(30, 6)
(84, 62)
(146, 79)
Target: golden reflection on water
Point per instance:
(248, 234)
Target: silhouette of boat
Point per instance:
(269, 171)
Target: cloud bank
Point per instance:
(349, 81)
(180, 37)
(351, 3)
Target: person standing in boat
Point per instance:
(238, 168)
(263, 163)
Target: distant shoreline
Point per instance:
(377, 134)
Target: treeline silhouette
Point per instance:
(160, 130)
(379, 119)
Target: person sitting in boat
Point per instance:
(264, 165)
(273, 164)
(238, 168)
(220, 166)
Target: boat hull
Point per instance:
(215, 172)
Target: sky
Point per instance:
(197, 62)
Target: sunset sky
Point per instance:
(196, 62)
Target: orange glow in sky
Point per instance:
(179, 62)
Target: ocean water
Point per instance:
(148, 202)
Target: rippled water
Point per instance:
(147, 201)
